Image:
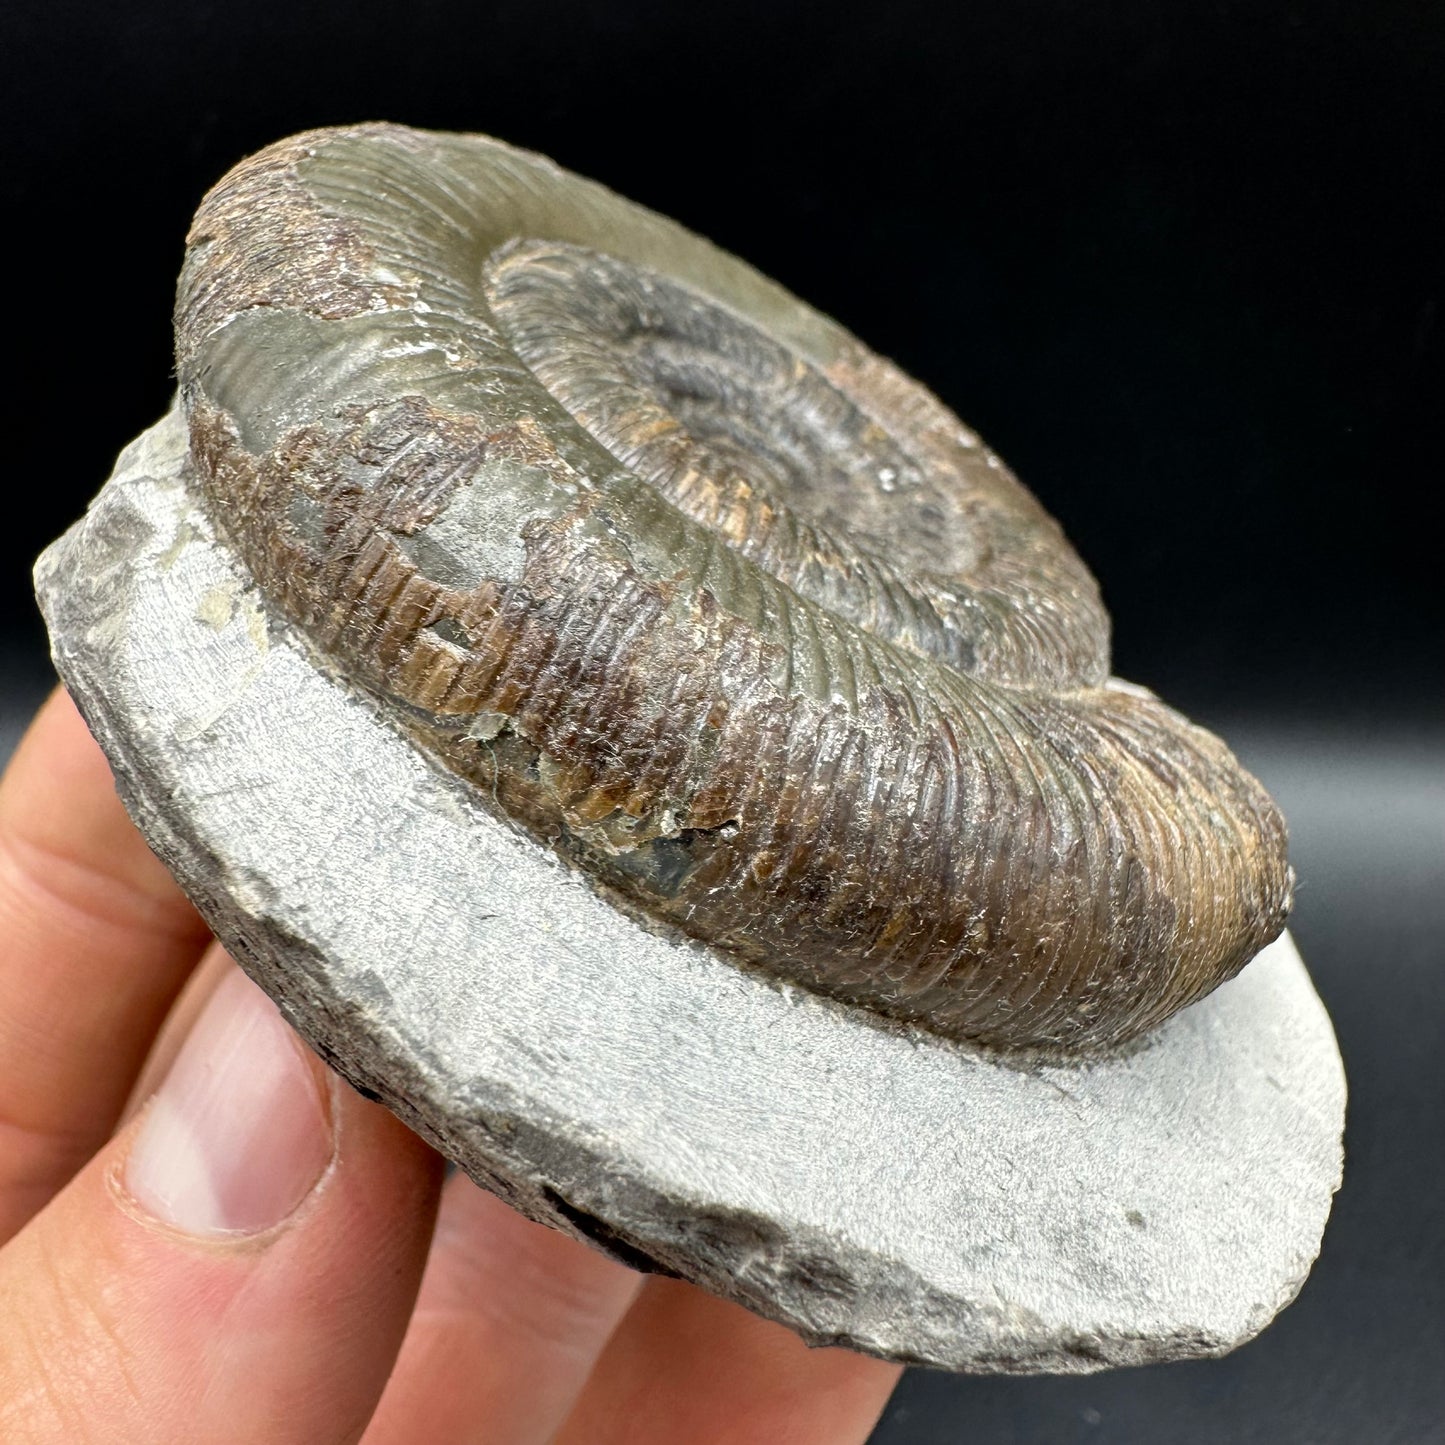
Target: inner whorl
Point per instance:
(755, 443)
(727, 610)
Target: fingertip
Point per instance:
(244, 1255)
(241, 1128)
(685, 1365)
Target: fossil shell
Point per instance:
(692, 586)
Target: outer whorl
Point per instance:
(729, 611)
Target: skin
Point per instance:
(384, 1305)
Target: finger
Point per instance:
(190, 1003)
(237, 1266)
(95, 939)
(686, 1366)
(512, 1316)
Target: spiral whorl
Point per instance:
(725, 608)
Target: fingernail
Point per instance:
(238, 1133)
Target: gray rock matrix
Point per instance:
(863, 1183)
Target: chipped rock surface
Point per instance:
(862, 1183)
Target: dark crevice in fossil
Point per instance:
(608, 1239)
(662, 865)
(450, 630)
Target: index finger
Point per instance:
(95, 940)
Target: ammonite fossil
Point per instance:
(691, 585)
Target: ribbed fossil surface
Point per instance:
(692, 586)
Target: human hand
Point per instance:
(252, 1252)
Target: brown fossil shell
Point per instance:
(691, 585)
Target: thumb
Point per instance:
(237, 1266)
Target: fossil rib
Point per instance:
(728, 610)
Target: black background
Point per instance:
(1180, 263)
